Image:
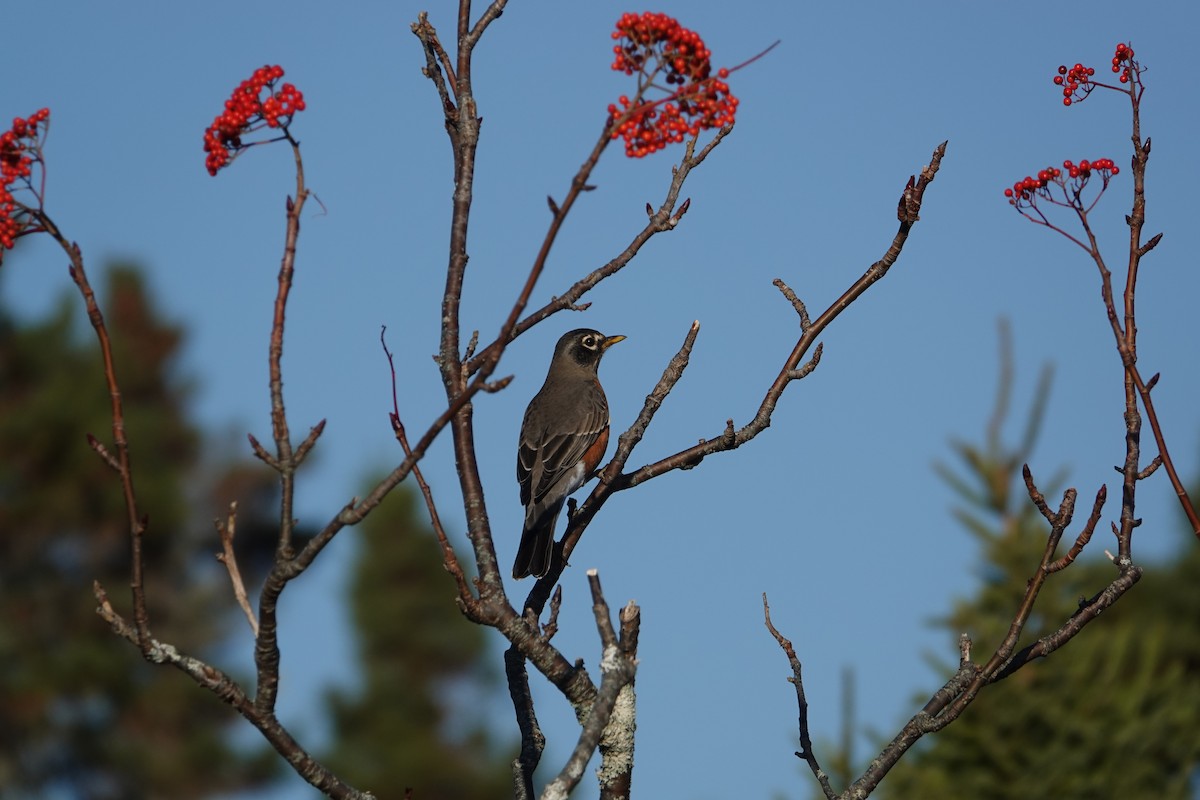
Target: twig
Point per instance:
(797, 679)
(1085, 535)
(122, 461)
(229, 559)
(449, 557)
(102, 451)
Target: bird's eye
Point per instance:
(589, 342)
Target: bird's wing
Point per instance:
(544, 456)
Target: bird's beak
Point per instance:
(610, 341)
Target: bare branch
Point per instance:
(466, 599)
(617, 668)
(266, 646)
(533, 741)
(910, 204)
(1085, 535)
(615, 774)
(224, 687)
(491, 14)
(797, 680)
(436, 60)
(135, 520)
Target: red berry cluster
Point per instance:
(1024, 188)
(1084, 168)
(649, 36)
(1123, 61)
(1027, 189)
(20, 149)
(245, 110)
(1076, 82)
(653, 45)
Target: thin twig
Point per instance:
(135, 519)
(227, 557)
(449, 557)
(797, 680)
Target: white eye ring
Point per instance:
(589, 342)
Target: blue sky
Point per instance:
(834, 511)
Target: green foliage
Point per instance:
(1115, 712)
(82, 714)
(407, 724)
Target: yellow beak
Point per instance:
(610, 341)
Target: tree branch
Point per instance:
(618, 665)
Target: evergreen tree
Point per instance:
(81, 714)
(409, 724)
(1113, 714)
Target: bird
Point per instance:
(563, 437)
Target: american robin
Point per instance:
(563, 437)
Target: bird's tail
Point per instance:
(537, 545)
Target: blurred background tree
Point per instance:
(1116, 714)
(421, 663)
(81, 714)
